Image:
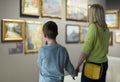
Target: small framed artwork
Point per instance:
(117, 37)
(72, 33)
(51, 8)
(112, 18)
(83, 31)
(111, 39)
(33, 39)
(77, 11)
(18, 49)
(12, 30)
(30, 7)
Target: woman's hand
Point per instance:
(77, 71)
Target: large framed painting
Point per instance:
(72, 33)
(33, 39)
(117, 37)
(51, 8)
(112, 18)
(77, 11)
(83, 31)
(12, 30)
(30, 7)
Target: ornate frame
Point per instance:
(33, 39)
(112, 18)
(83, 31)
(72, 33)
(30, 7)
(51, 8)
(12, 30)
(75, 11)
(117, 37)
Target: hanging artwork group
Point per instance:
(53, 9)
(31, 31)
(18, 30)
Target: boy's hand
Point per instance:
(77, 71)
(73, 78)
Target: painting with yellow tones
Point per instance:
(117, 37)
(112, 18)
(83, 32)
(12, 30)
(30, 7)
(33, 40)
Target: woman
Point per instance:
(96, 43)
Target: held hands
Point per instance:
(77, 71)
(73, 78)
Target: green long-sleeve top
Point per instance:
(96, 44)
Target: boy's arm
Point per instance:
(68, 66)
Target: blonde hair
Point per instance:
(97, 15)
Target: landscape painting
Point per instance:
(77, 11)
(33, 40)
(12, 30)
(72, 33)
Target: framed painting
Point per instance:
(112, 18)
(12, 30)
(30, 7)
(117, 37)
(18, 49)
(83, 31)
(111, 39)
(72, 33)
(51, 8)
(33, 39)
(77, 11)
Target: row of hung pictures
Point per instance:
(53, 8)
(17, 30)
(76, 34)
(74, 11)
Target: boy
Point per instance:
(53, 58)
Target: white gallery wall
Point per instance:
(23, 67)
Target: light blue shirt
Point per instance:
(52, 60)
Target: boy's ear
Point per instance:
(45, 35)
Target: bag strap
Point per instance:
(98, 35)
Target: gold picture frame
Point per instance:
(51, 8)
(117, 37)
(76, 11)
(83, 31)
(33, 39)
(112, 18)
(30, 7)
(12, 30)
(72, 33)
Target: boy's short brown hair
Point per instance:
(50, 28)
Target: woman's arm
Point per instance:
(80, 61)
